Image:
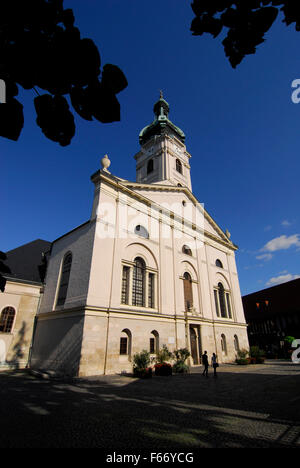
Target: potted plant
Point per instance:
(162, 367)
(242, 359)
(141, 365)
(288, 340)
(257, 355)
(181, 356)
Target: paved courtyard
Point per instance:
(245, 406)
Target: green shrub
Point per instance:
(256, 353)
(181, 354)
(242, 361)
(180, 368)
(242, 353)
(141, 360)
(163, 355)
(289, 339)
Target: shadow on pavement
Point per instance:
(240, 408)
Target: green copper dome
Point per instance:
(161, 125)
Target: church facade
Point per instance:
(149, 268)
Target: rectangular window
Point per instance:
(217, 302)
(151, 290)
(228, 305)
(152, 345)
(125, 285)
(123, 345)
(138, 286)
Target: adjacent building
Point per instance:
(271, 315)
(19, 303)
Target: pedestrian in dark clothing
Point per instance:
(205, 363)
(214, 364)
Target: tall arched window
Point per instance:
(222, 300)
(7, 319)
(154, 342)
(64, 280)
(125, 342)
(178, 166)
(223, 345)
(236, 344)
(138, 282)
(188, 291)
(150, 166)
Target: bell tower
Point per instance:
(163, 158)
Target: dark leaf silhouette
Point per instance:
(247, 22)
(113, 78)
(11, 119)
(41, 48)
(55, 118)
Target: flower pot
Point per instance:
(163, 369)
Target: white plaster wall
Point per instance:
(80, 243)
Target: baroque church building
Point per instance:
(149, 268)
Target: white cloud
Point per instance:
(266, 257)
(281, 279)
(285, 223)
(281, 243)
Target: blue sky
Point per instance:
(241, 126)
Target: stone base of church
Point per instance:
(86, 342)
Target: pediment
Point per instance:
(171, 197)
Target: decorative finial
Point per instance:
(161, 96)
(227, 233)
(105, 162)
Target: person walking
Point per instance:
(214, 364)
(205, 363)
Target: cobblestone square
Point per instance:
(255, 406)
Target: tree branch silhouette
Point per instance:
(247, 22)
(41, 48)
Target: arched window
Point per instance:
(154, 342)
(236, 344)
(64, 280)
(138, 282)
(186, 250)
(7, 319)
(150, 166)
(125, 342)
(178, 166)
(223, 345)
(219, 263)
(222, 300)
(179, 185)
(188, 291)
(141, 231)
